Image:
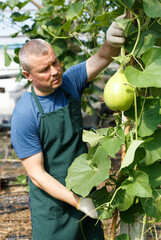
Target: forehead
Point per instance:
(42, 60)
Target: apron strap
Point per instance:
(37, 100)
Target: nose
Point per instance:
(53, 70)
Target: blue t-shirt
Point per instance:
(26, 115)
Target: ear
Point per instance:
(27, 75)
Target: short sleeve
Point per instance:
(25, 140)
(75, 79)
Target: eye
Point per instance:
(45, 69)
(55, 62)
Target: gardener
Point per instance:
(46, 133)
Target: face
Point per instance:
(45, 73)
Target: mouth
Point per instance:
(57, 80)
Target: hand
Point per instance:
(115, 34)
(86, 206)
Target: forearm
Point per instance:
(101, 60)
(54, 188)
(107, 52)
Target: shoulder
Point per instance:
(25, 128)
(24, 105)
(75, 80)
(75, 69)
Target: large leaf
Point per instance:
(154, 173)
(153, 148)
(150, 77)
(150, 118)
(123, 200)
(130, 154)
(146, 41)
(137, 184)
(152, 8)
(84, 173)
(148, 115)
(152, 206)
(91, 137)
(75, 10)
(100, 198)
(113, 144)
(130, 215)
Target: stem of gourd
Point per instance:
(138, 36)
(136, 117)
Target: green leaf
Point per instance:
(130, 215)
(67, 26)
(146, 41)
(150, 118)
(129, 3)
(153, 148)
(20, 17)
(152, 8)
(150, 77)
(148, 115)
(130, 154)
(92, 171)
(113, 144)
(154, 173)
(123, 23)
(137, 184)
(19, 77)
(103, 19)
(22, 4)
(101, 197)
(152, 206)
(59, 2)
(91, 137)
(151, 56)
(8, 59)
(123, 200)
(12, 3)
(75, 10)
(122, 59)
(60, 47)
(123, 237)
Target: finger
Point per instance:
(119, 41)
(117, 33)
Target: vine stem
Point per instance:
(143, 228)
(136, 117)
(138, 36)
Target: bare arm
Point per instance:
(111, 48)
(34, 166)
(101, 60)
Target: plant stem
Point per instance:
(136, 117)
(124, 5)
(82, 45)
(112, 237)
(143, 228)
(139, 63)
(138, 36)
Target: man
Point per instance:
(46, 133)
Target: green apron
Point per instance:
(61, 139)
